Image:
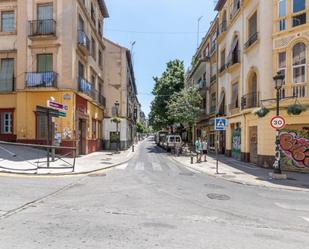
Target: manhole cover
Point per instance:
(186, 174)
(219, 197)
(213, 186)
(97, 175)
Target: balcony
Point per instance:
(252, 39)
(85, 87)
(222, 27)
(7, 85)
(42, 28)
(83, 41)
(233, 58)
(250, 100)
(299, 90)
(213, 78)
(42, 79)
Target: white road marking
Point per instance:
(139, 166)
(290, 207)
(156, 167)
(122, 166)
(305, 218)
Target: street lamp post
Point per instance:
(117, 124)
(279, 79)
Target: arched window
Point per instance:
(299, 63)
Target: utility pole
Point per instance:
(198, 31)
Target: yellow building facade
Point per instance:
(51, 53)
(256, 39)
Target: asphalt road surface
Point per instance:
(150, 202)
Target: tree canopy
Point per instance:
(170, 82)
(185, 106)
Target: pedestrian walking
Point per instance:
(198, 150)
(205, 149)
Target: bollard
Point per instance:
(133, 148)
(191, 159)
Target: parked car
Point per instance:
(171, 141)
(159, 137)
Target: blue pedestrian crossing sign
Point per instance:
(220, 124)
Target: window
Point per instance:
(234, 100)
(100, 58)
(213, 102)
(299, 6)
(7, 21)
(7, 75)
(92, 13)
(6, 123)
(41, 126)
(222, 59)
(213, 43)
(44, 63)
(45, 17)
(94, 129)
(299, 63)
(81, 70)
(282, 14)
(253, 26)
(81, 24)
(207, 51)
(100, 27)
(93, 48)
(213, 69)
(282, 63)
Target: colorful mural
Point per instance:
(295, 149)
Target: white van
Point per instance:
(171, 141)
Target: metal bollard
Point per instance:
(133, 148)
(191, 159)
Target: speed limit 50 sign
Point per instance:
(277, 122)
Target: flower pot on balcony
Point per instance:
(296, 109)
(261, 112)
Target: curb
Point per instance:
(296, 189)
(72, 174)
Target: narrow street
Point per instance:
(150, 202)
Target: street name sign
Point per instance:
(220, 124)
(55, 105)
(277, 122)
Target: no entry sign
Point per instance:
(277, 122)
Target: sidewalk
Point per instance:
(245, 173)
(22, 160)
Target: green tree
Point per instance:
(170, 82)
(140, 128)
(185, 107)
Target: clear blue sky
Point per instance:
(153, 50)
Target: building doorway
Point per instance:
(253, 144)
(82, 136)
(236, 143)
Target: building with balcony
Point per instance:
(245, 72)
(52, 51)
(203, 75)
(261, 38)
(119, 82)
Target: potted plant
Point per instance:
(261, 112)
(296, 109)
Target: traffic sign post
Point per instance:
(277, 122)
(220, 125)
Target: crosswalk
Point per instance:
(154, 166)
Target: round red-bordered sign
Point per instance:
(277, 122)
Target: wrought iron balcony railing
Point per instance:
(252, 39)
(42, 27)
(83, 40)
(213, 78)
(41, 79)
(7, 84)
(250, 100)
(85, 87)
(222, 27)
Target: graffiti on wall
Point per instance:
(295, 149)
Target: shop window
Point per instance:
(6, 123)
(299, 63)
